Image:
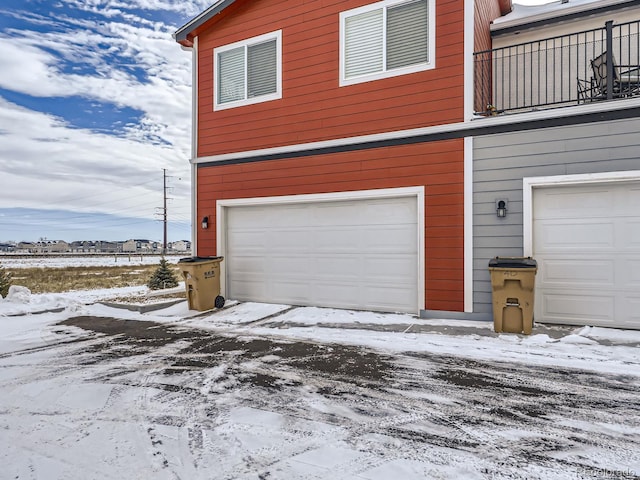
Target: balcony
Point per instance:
(561, 71)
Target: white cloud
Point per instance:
(45, 162)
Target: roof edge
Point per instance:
(556, 15)
(183, 33)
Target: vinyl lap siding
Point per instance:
(438, 166)
(313, 106)
(501, 162)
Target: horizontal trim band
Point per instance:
(476, 128)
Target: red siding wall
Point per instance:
(485, 12)
(313, 106)
(437, 165)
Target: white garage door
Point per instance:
(586, 239)
(360, 254)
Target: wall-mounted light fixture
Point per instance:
(205, 223)
(501, 208)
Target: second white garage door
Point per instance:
(586, 239)
(360, 254)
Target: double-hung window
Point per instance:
(248, 72)
(387, 38)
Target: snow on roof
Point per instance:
(527, 14)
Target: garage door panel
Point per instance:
(334, 265)
(246, 289)
(579, 271)
(632, 304)
(629, 204)
(295, 291)
(571, 235)
(632, 272)
(363, 212)
(631, 233)
(586, 239)
(288, 266)
(403, 238)
(578, 306)
(389, 269)
(247, 240)
(334, 253)
(339, 295)
(346, 240)
(285, 240)
(251, 265)
(390, 296)
(556, 203)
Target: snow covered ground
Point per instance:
(259, 391)
(11, 262)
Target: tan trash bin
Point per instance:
(512, 286)
(202, 282)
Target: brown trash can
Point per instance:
(202, 282)
(512, 288)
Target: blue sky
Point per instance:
(95, 101)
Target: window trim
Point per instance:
(277, 35)
(384, 4)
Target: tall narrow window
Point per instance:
(248, 72)
(387, 38)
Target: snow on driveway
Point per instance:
(260, 391)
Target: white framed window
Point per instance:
(385, 39)
(248, 72)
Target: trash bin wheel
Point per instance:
(219, 301)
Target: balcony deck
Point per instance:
(561, 71)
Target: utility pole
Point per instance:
(164, 210)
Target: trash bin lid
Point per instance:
(198, 259)
(513, 262)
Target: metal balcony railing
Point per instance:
(593, 65)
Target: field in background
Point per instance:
(63, 274)
(13, 261)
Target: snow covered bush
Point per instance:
(5, 282)
(18, 294)
(163, 277)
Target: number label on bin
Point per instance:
(210, 274)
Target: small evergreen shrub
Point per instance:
(5, 282)
(163, 277)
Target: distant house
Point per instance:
(51, 246)
(7, 247)
(100, 246)
(26, 247)
(181, 246)
(139, 246)
(82, 247)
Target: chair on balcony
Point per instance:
(624, 83)
(587, 91)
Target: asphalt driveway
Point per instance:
(134, 398)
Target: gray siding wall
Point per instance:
(501, 162)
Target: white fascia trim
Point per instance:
(415, 132)
(468, 224)
(469, 47)
(418, 192)
(194, 146)
(530, 183)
